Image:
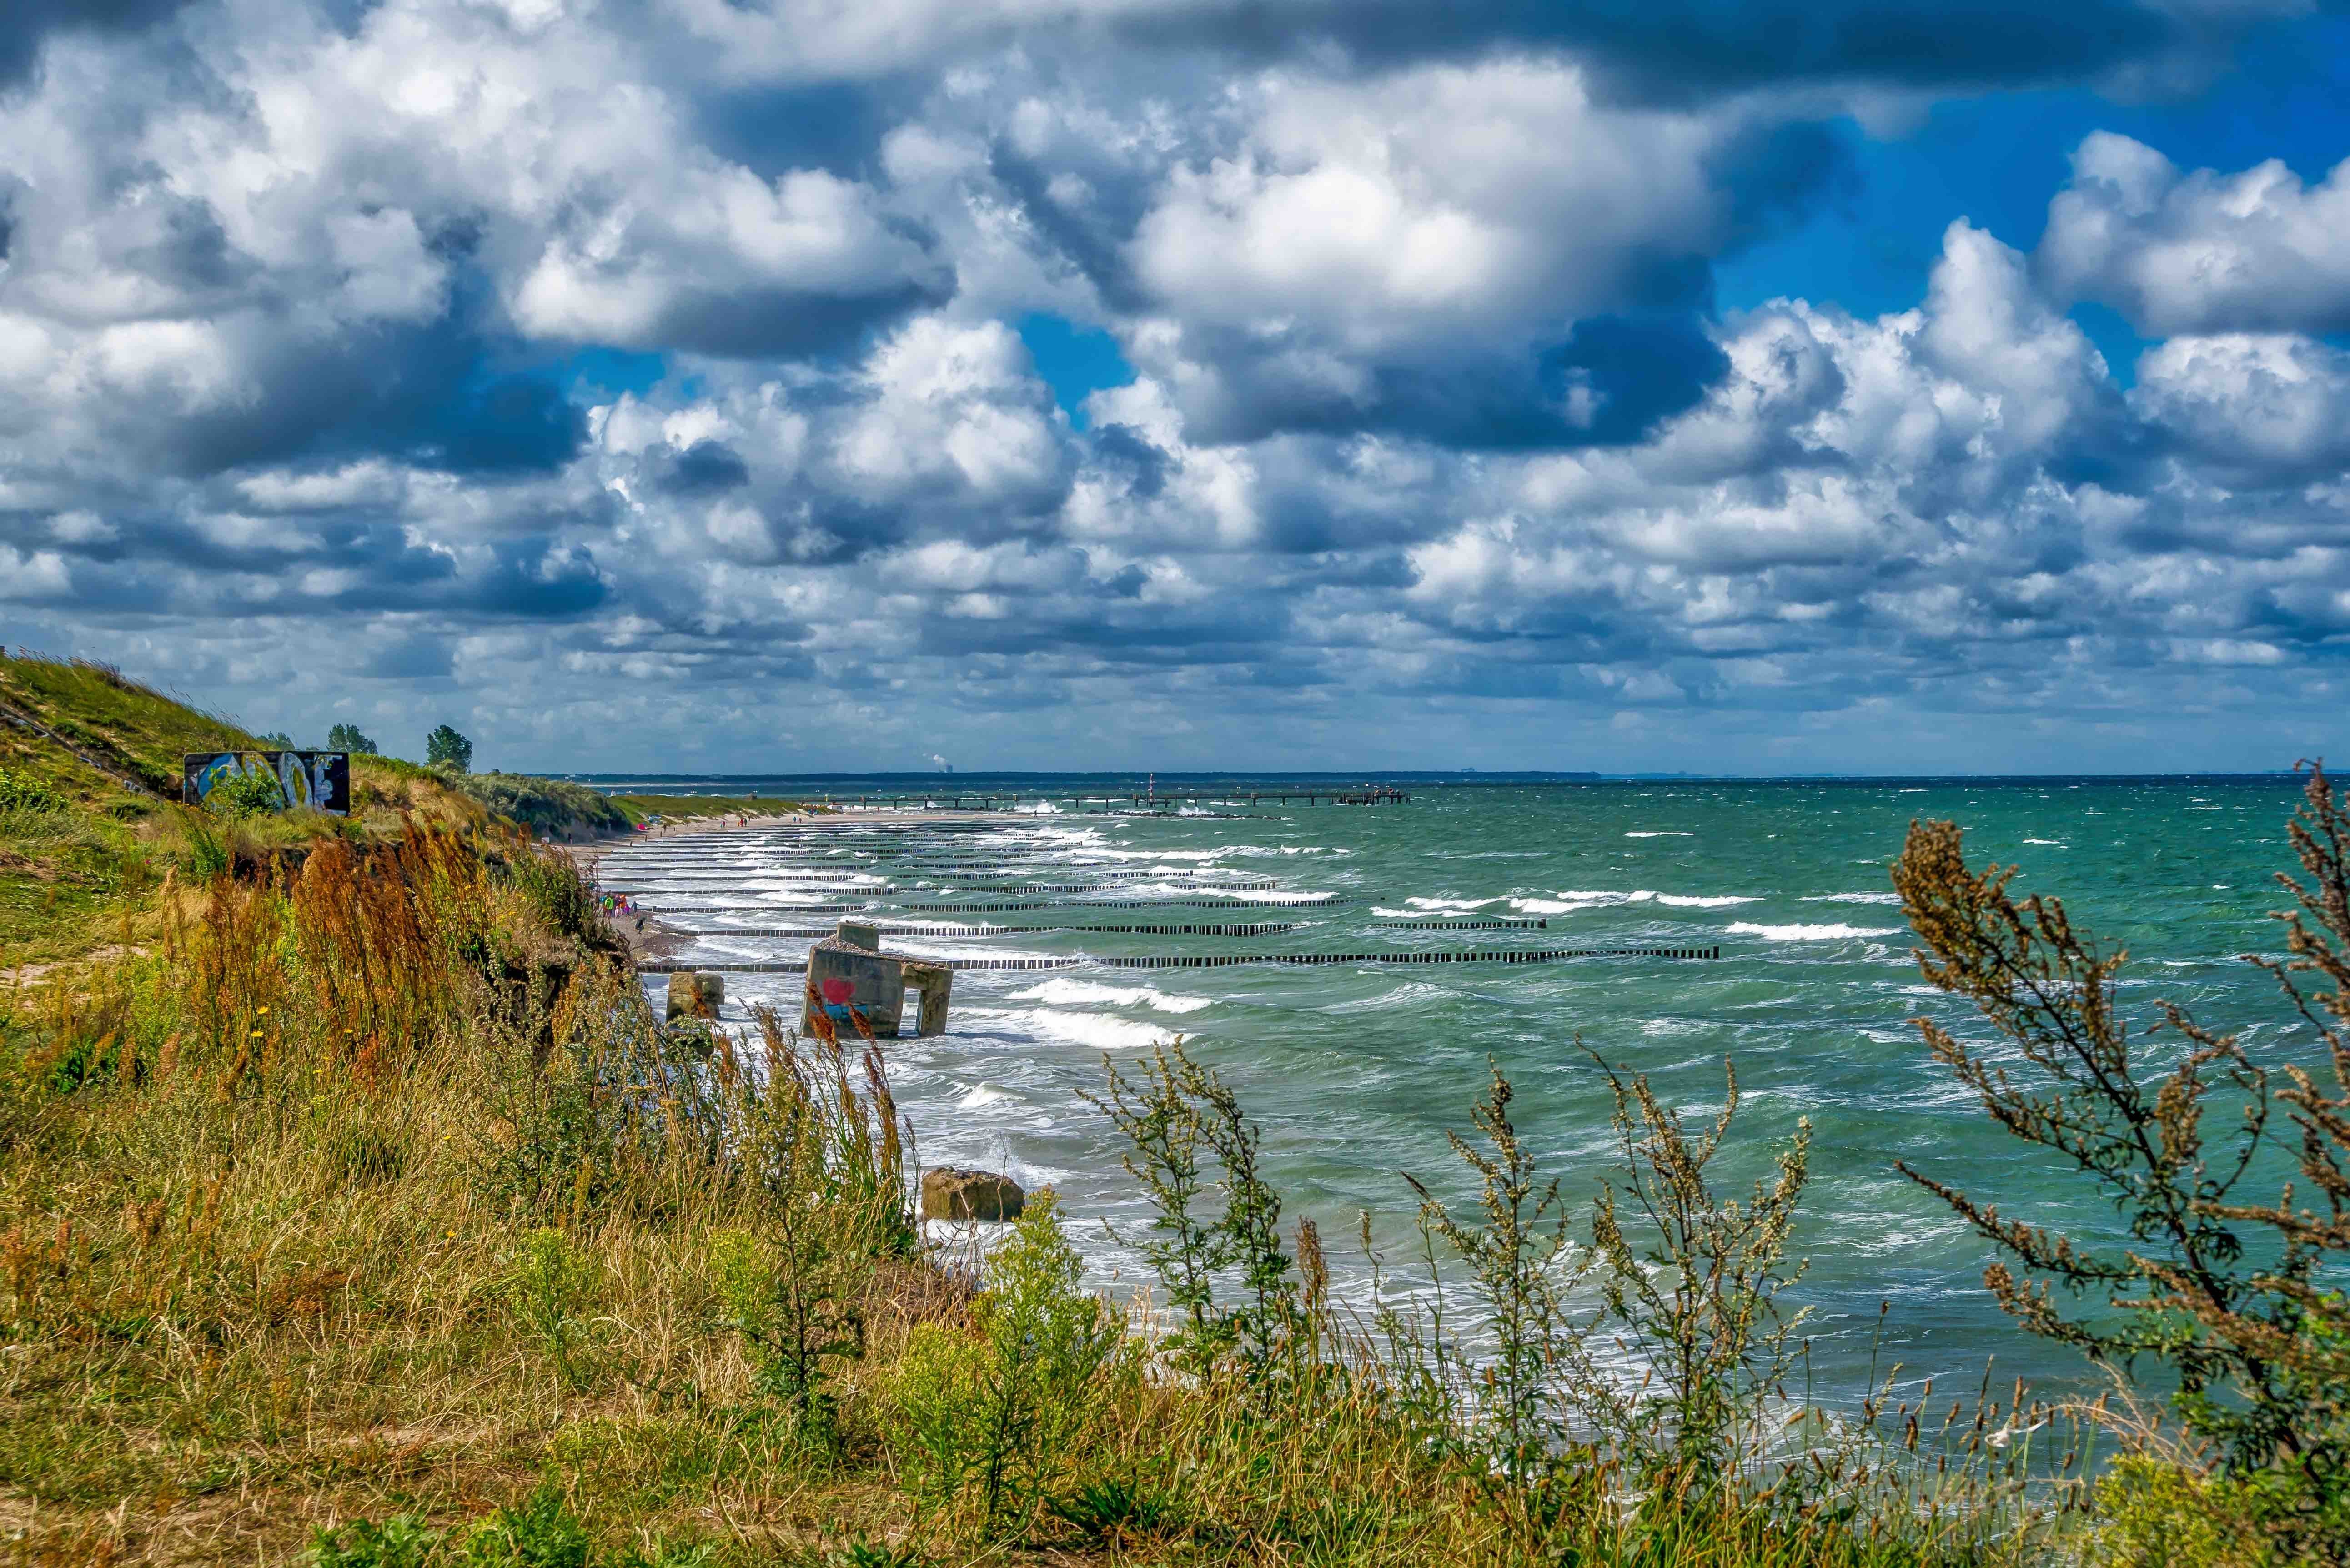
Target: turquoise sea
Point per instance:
(1357, 1071)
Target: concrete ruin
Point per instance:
(847, 971)
(695, 995)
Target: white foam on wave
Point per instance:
(1661, 833)
(1565, 900)
(1409, 992)
(984, 1095)
(2057, 843)
(1105, 853)
(1451, 906)
(1078, 992)
(1810, 933)
(1850, 899)
(1093, 1031)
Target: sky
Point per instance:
(1793, 386)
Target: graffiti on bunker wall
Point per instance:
(313, 780)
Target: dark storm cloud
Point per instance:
(431, 394)
(783, 323)
(1609, 384)
(1126, 452)
(29, 23)
(1679, 50)
(705, 468)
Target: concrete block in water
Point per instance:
(848, 982)
(695, 995)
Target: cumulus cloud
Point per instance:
(540, 361)
(2264, 410)
(1415, 252)
(2198, 252)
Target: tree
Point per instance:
(278, 739)
(346, 738)
(444, 748)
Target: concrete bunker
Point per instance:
(896, 996)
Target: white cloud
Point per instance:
(291, 314)
(2252, 406)
(2200, 252)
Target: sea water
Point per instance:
(1356, 1072)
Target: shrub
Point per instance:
(252, 792)
(21, 792)
(1181, 1121)
(997, 1414)
(825, 1165)
(2241, 1298)
(548, 1288)
(542, 1533)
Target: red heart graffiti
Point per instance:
(835, 992)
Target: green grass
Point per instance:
(548, 808)
(140, 731)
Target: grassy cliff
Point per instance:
(90, 822)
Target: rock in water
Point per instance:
(684, 995)
(949, 1194)
(711, 987)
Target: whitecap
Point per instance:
(1078, 992)
(1661, 833)
(1591, 895)
(984, 1095)
(1850, 899)
(1811, 933)
(1702, 902)
(1093, 1031)
(1410, 991)
(2056, 843)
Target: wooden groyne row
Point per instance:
(820, 931)
(749, 909)
(1461, 925)
(995, 885)
(1222, 960)
(1310, 902)
(1001, 909)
